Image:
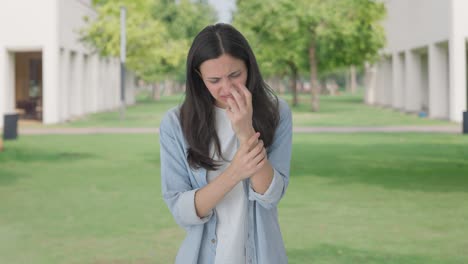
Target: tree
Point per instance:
(273, 31)
(330, 34)
(183, 21)
(146, 37)
(341, 33)
(159, 33)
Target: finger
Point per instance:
(247, 94)
(261, 164)
(232, 105)
(257, 149)
(240, 100)
(257, 159)
(252, 140)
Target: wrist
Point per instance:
(231, 176)
(243, 137)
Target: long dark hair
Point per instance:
(197, 116)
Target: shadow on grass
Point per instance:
(171, 100)
(35, 155)
(329, 104)
(343, 255)
(8, 176)
(408, 166)
(15, 156)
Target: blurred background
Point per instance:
(378, 92)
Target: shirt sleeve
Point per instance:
(279, 156)
(177, 190)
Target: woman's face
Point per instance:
(221, 74)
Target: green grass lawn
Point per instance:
(343, 110)
(349, 110)
(356, 198)
(145, 113)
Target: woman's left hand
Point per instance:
(240, 112)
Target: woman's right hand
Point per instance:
(250, 158)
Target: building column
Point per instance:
(457, 61)
(51, 97)
(102, 84)
(370, 83)
(7, 83)
(424, 80)
(413, 87)
(64, 84)
(3, 82)
(86, 103)
(388, 82)
(101, 88)
(116, 83)
(438, 81)
(380, 82)
(398, 80)
(129, 88)
(457, 97)
(72, 85)
(109, 82)
(78, 85)
(94, 82)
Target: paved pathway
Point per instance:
(143, 130)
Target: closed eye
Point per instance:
(214, 80)
(235, 75)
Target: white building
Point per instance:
(45, 72)
(424, 65)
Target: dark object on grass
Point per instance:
(465, 122)
(10, 126)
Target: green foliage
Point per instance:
(183, 21)
(159, 33)
(273, 31)
(353, 35)
(344, 32)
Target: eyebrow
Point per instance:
(217, 78)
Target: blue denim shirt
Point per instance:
(180, 182)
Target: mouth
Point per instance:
(225, 97)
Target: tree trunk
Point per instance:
(156, 92)
(277, 84)
(168, 87)
(282, 89)
(273, 82)
(314, 86)
(293, 83)
(353, 79)
(180, 87)
(348, 81)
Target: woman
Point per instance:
(225, 155)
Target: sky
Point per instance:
(224, 8)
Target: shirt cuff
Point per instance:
(272, 194)
(187, 212)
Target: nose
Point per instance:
(227, 84)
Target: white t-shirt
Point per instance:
(231, 211)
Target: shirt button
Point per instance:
(213, 240)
